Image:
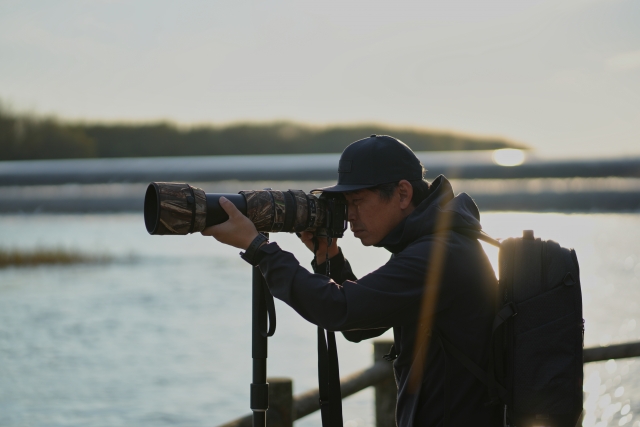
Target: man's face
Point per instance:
(371, 218)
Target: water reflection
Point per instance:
(164, 340)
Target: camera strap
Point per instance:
(271, 312)
(328, 369)
(271, 308)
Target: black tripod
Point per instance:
(262, 305)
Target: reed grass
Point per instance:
(47, 256)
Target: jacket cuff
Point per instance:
(264, 250)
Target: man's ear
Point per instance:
(405, 191)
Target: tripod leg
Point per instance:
(259, 386)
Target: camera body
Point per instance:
(178, 208)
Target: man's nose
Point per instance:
(351, 214)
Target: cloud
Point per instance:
(624, 61)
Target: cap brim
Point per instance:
(342, 188)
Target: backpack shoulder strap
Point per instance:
(478, 234)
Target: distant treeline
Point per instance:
(25, 137)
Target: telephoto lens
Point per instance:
(172, 208)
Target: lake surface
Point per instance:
(161, 336)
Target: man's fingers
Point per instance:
(229, 207)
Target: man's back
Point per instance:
(464, 316)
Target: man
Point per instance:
(437, 285)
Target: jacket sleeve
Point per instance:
(358, 335)
(340, 272)
(387, 297)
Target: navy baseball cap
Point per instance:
(379, 159)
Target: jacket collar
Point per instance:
(441, 210)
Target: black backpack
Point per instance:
(535, 370)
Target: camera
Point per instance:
(172, 208)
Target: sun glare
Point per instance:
(508, 157)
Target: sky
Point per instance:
(561, 76)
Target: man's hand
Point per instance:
(321, 255)
(237, 231)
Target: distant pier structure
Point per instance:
(496, 181)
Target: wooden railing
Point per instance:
(284, 408)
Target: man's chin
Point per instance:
(365, 241)
(364, 238)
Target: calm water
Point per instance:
(161, 336)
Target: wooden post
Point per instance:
(280, 412)
(386, 391)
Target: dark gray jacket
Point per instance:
(391, 297)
